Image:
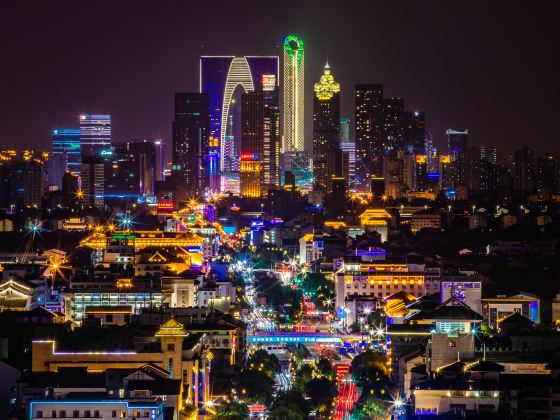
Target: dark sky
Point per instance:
(490, 66)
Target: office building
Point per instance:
(21, 184)
(56, 168)
(130, 172)
(523, 163)
(457, 149)
(326, 130)
(66, 141)
(393, 127)
(368, 101)
(95, 134)
(348, 150)
(70, 188)
(93, 181)
(414, 132)
(252, 144)
(271, 139)
(191, 160)
(293, 105)
(160, 160)
(224, 79)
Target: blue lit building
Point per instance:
(95, 134)
(67, 141)
(224, 79)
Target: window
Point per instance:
(39, 414)
(109, 318)
(53, 413)
(87, 413)
(170, 347)
(452, 343)
(114, 413)
(123, 414)
(76, 413)
(458, 406)
(62, 414)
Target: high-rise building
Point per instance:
(431, 152)
(67, 141)
(368, 101)
(345, 130)
(56, 168)
(326, 130)
(252, 144)
(414, 132)
(547, 176)
(70, 188)
(224, 79)
(523, 162)
(348, 150)
(95, 134)
(271, 144)
(191, 160)
(457, 148)
(93, 181)
(21, 184)
(160, 159)
(130, 170)
(293, 109)
(393, 127)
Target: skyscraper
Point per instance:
(457, 144)
(95, 134)
(191, 159)
(160, 159)
(393, 127)
(414, 132)
(348, 150)
(293, 110)
(224, 79)
(326, 130)
(368, 101)
(67, 141)
(93, 181)
(271, 144)
(523, 162)
(252, 144)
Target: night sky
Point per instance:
(492, 68)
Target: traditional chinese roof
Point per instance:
(171, 328)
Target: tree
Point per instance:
(255, 386)
(370, 372)
(231, 411)
(370, 408)
(286, 412)
(325, 368)
(263, 361)
(293, 399)
(321, 392)
(302, 377)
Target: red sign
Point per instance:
(165, 205)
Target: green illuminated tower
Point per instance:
(293, 112)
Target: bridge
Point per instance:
(301, 338)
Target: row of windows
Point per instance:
(39, 414)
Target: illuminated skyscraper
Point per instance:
(293, 112)
(191, 142)
(326, 130)
(457, 149)
(67, 141)
(393, 127)
(368, 101)
(271, 145)
(252, 144)
(224, 79)
(95, 134)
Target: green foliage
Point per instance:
(321, 393)
(370, 372)
(325, 368)
(280, 296)
(255, 386)
(317, 287)
(302, 377)
(291, 405)
(263, 361)
(231, 411)
(370, 408)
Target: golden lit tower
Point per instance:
(293, 113)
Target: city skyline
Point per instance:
(470, 53)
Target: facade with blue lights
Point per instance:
(95, 134)
(67, 141)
